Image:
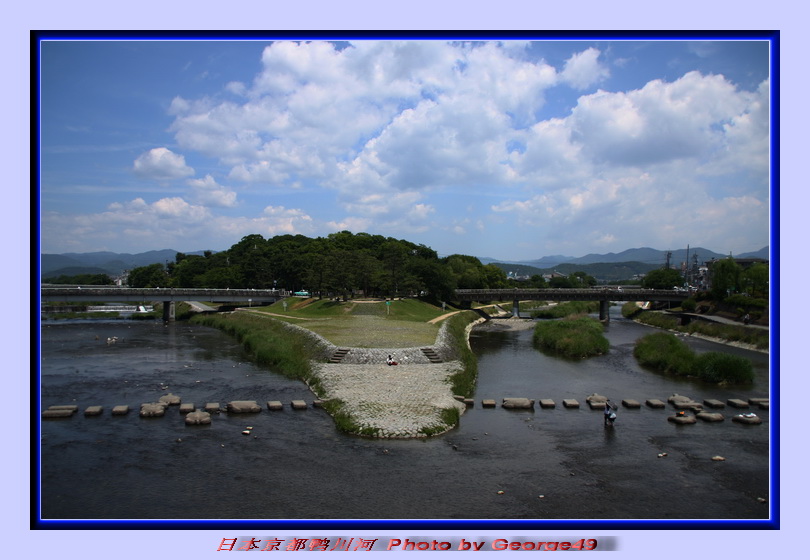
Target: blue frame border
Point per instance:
(37, 523)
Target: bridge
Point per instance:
(169, 296)
(604, 295)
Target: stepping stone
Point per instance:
(185, 408)
(488, 403)
(631, 403)
(71, 407)
(686, 419)
(298, 405)
(547, 403)
(469, 402)
(518, 402)
(711, 416)
(57, 413)
(676, 398)
(758, 400)
(317, 403)
(749, 418)
(571, 403)
(737, 403)
(765, 405)
(274, 405)
(198, 417)
(169, 399)
(120, 410)
(211, 407)
(714, 403)
(655, 403)
(93, 410)
(243, 407)
(152, 410)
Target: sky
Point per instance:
(508, 149)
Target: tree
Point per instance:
(755, 280)
(150, 276)
(662, 279)
(725, 278)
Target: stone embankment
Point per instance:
(406, 400)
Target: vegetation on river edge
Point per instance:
(666, 353)
(564, 309)
(576, 337)
(758, 338)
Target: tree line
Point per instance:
(340, 264)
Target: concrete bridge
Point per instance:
(604, 295)
(167, 295)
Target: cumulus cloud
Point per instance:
(584, 69)
(162, 163)
(208, 192)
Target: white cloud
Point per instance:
(583, 69)
(162, 163)
(207, 192)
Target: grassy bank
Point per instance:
(665, 353)
(578, 337)
(270, 343)
(463, 382)
(752, 336)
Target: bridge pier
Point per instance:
(168, 311)
(516, 308)
(604, 310)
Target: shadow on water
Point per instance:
(498, 464)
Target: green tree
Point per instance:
(725, 275)
(755, 280)
(150, 276)
(662, 279)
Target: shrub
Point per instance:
(572, 338)
(716, 367)
(565, 309)
(664, 352)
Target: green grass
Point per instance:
(270, 343)
(402, 324)
(578, 337)
(758, 338)
(665, 353)
(565, 309)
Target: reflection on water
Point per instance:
(295, 465)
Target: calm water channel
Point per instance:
(549, 463)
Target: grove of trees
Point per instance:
(340, 264)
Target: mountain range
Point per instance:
(624, 264)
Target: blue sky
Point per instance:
(505, 149)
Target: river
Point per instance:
(498, 464)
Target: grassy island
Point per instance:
(577, 337)
(666, 353)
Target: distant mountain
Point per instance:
(101, 262)
(618, 266)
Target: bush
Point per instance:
(664, 352)
(572, 338)
(565, 309)
(463, 382)
(716, 367)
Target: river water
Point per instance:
(498, 464)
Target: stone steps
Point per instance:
(431, 355)
(338, 355)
